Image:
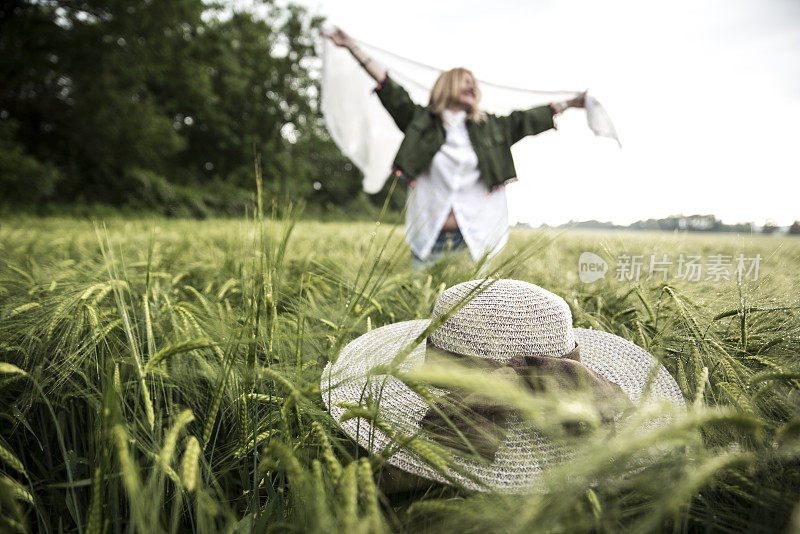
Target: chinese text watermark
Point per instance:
(663, 267)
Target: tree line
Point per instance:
(163, 106)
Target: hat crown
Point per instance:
(504, 318)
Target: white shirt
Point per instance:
(452, 182)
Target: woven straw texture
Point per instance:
(509, 317)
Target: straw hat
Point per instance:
(500, 320)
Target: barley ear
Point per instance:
(190, 466)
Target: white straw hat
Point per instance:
(500, 319)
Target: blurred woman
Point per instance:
(456, 159)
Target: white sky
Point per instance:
(705, 96)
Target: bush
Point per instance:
(154, 192)
(23, 178)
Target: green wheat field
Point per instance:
(163, 376)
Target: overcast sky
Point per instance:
(705, 96)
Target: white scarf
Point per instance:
(364, 131)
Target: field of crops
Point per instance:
(163, 376)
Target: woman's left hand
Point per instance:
(579, 101)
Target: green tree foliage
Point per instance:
(21, 174)
(162, 105)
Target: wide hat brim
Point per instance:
(524, 455)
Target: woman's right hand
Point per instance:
(373, 68)
(339, 37)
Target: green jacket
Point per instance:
(491, 139)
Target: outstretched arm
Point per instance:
(519, 124)
(577, 102)
(373, 68)
(392, 95)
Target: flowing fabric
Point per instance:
(365, 132)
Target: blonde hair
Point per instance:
(447, 89)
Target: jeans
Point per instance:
(448, 243)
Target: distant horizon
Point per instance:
(674, 215)
(605, 221)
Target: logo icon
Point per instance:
(591, 267)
